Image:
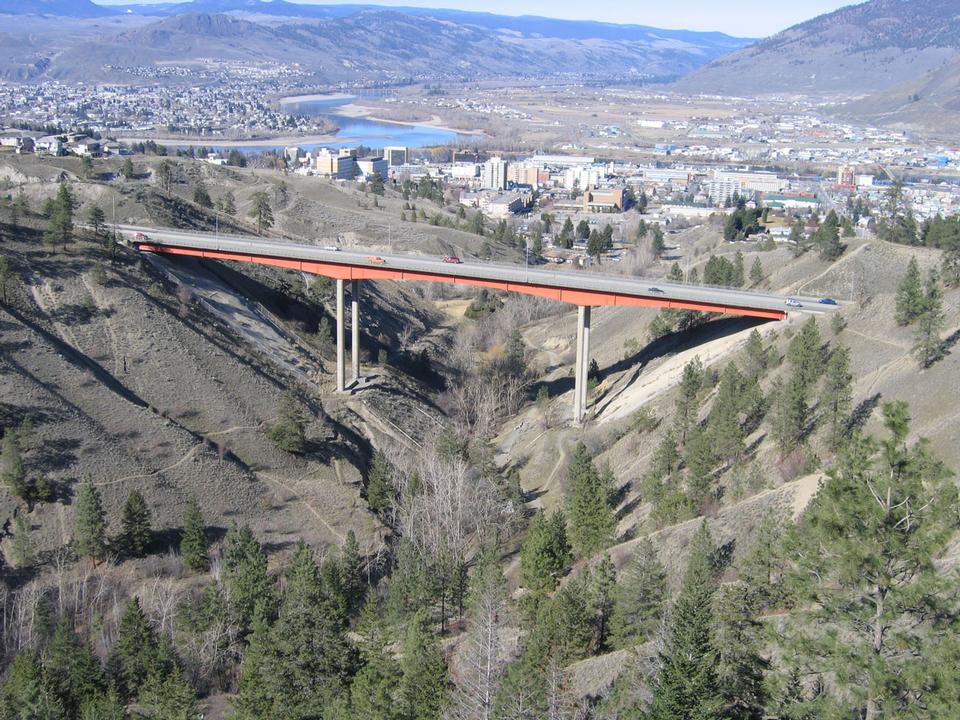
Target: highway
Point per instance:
(579, 287)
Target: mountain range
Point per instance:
(858, 49)
(356, 43)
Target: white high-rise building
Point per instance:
(493, 176)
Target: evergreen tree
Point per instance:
(686, 685)
(639, 597)
(136, 533)
(201, 197)
(545, 553)
(757, 358)
(757, 275)
(741, 668)
(583, 230)
(60, 218)
(423, 673)
(412, 584)
(169, 697)
(380, 493)
(245, 566)
(289, 432)
(89, 525)
(724, 426)
(96, 219)
(910, 295)
(601, 583)
(657, 245)
(806, 354)
(828, 237)
(193, 539)
(74, 670)
(865, 553)
(837, 395)
(135, 654)
(592, 523)
(14, 476)
(126, 169)
(23, 554)
(7, 278)
(28, 693)
(228, 203)
(797, 239)
(739, 271)
(164, 174)
(928, 347)
(106, 706)
(261, 211)
(688, 404)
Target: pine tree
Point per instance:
(23, 554)
(135, 655)
(96, 219)
(126, 169)
(545, 553)
(600, 582)
(928, 347)
(739, 270)
(592, 523)
(201, 196)
(741, 668)
(73, 669)
(373, 692)
(89, 525)
(193, 540)
(910, 295)
(7, 278)
(865, 557)
(289, 432)
(724, 426)
(380, 492)
(639, 597)
(135, 533)
(245, 566)
(757, 358)
(60, 218)
(797, 239)
(686, 685)
(688, 404)
(169, 697)
(106, 706)
(837, 395)
(261, 211)
(806, 354)
(14, 476)
(228, 203)
(423, 673)
(757, 275)
(28, 693)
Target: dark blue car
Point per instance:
(827, 301)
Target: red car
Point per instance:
(140, 237)
(452, 259)
(375, 259)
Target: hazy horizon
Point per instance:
(743, 18)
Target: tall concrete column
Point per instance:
(577, 371)
(355, 328)
(341, 370)
(585, 365)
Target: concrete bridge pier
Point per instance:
(354, 334)
(341, 370)
(583, 363)
(355, 329)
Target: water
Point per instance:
(354, 131)
(372, 133)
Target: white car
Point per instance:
(794, 303)
(332, 248)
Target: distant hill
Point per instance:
(425, 45)
(862, 48)
(930, 103)
(62, 8)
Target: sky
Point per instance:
(744, 18)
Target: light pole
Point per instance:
(216, 223)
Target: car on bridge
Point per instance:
(376, 259)
(827, 301)
(140, 237)
(331, 248)
(794, 303)
(452, 259)
(656, 290)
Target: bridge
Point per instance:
(583, 289)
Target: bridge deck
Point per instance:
(578, 288)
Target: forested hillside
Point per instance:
(757, 520)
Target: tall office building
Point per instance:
(494, 174)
